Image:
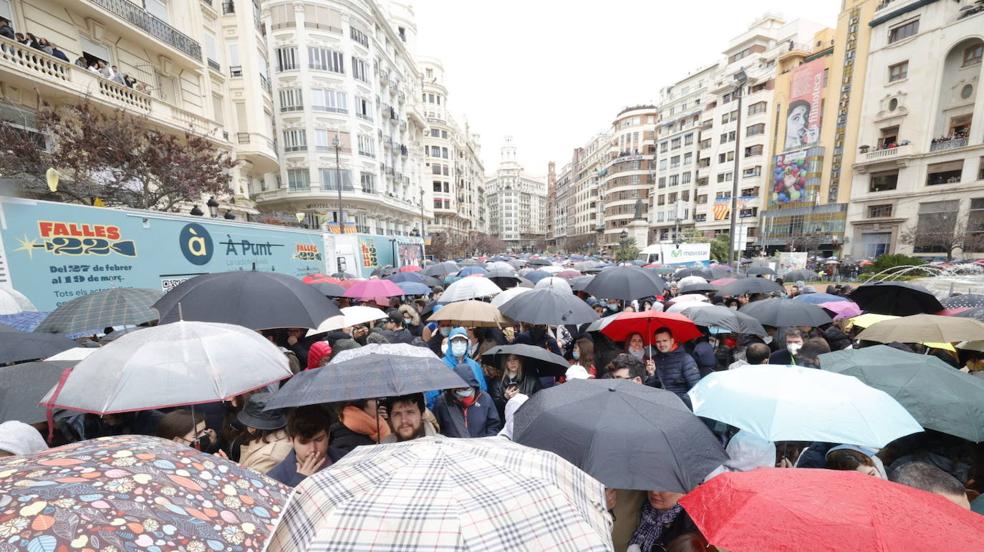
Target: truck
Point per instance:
(676, 254)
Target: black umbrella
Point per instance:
(440, 270)
(662, 270)
(749, 286)
(534, 358)
(23, 385)
(548, 306)
(415, 277)
(328, 289)
(626, 435)
(976, 314)
(539, 262)
(795, 275)
(581, 282)
(895, 298)
(625, 283)
(967, 301)
(697, 288)
(21, 346)
(366, 377)
(723, 317)
(757, 270)
(6, 328)
(256, 300)
(684, 272)
(783, 313)
(95, 311)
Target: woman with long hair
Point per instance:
(514, 380)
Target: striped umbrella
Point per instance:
(112, 307)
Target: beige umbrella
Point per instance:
(977, 346)
(920, 328)
(472, 314)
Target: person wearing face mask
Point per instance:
(467, 411)
(438, 334)
(456, 354)
(265, 443)
(787, 356)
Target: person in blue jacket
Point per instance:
(457, 353)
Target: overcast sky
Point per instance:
(551, 73)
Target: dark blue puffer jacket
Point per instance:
(677, 370)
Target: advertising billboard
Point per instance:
(804, 110)
(796, 177)
(686, 253)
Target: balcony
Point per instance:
(943, 144)
(142, 19)
(891, 157)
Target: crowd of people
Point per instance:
(292, 445)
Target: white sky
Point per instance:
(552, 73)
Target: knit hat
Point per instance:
(20, 439)
(318, 351)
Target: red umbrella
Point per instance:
(645, 323)
(318, 279)
(952, 312)
(805, 510)
(410, 268)
(371, 289)
(652, 265)
(347, 284)
(723, 281)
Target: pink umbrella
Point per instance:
(842, 309)
(722, 281)
(371, 289)
(568, 274)
(410, 268)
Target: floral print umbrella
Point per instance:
(132, 493)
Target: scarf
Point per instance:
(358, 421)
(652, 524)
(467, 402)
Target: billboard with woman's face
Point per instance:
(803, 113)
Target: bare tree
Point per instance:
(942, 238)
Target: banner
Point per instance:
(721, 209)
(796, 177)
(411, 254)
(791, 261)
(686, 253)
(803, 112)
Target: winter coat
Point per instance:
(286, 471)
(677, 371)
(528, 385)
(263, 457)
(451, 362)
(479, 420)
(345, 440)
(837, 339)
(703, 354)
(402, 335)
(782, 357)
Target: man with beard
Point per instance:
(406, 419)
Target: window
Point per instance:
(323, 99)
(751, 172)
(935, 226)
(757, 107)
(324, 59)
(980, 169)
(362, 108)
(329, 179)
(688, 139)
(662, 182)
(883, 181)
(663, 147)
(888, 137)
(367, 146)
(688, 158)
(662, 164)
(701, 217)
(211, 50)
(368, 181)
(879, 211)
(944, 173)
(903, 31)
(674, 161)
(972, 54)
(724, 177)
(750, 192)
(674, 180)
(898, 71)
(287, 58)
(685, 178)
(295, 139)
(975, 226)
(290, 99)
(359, 36)
(752, 151)
(755, 130)
(360, 69)
(728, 137)
(157, 8)
(444, 153)
(436, 168)
(435, 133)
(298, 180)
(675, 143)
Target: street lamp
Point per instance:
(423, 226)
(196, 211)
(213, 207)
(338, 183)
(740, 79)
(229, 215)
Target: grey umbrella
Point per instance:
(684, 272)
(112, 307)
(795, 275)
(23, 385)
(22, 346)
(759, 270)
(967, 301)
(750, 286)
(626, 435)
(625, 283)
(329, 290)
(440, 270)
(536, 358)
(581, 282)
(697, 288)
(548, 306)
(722, 317)
(782, 313)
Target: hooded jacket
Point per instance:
(452, 363)
(318, 351)
(481, 419)
(677, 371)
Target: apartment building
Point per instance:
(628, 173)
(517, 203)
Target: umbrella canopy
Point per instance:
(524, 283)
(470, 270)
(647, 322)
(436, 493)
(842, 309)
(626, 435)
(819, 298)
(536, 275)
(470, 288)
(601, 323)
(783, 313)
(471, 314)
(936, 395)
(539, 262)
(328, 289)
(344, 275)
(760, 270)
(23, 322)
(410, 268)
(743, 286)
(75, 354)
(800, 274)
(132, 492)
(716, 316)
(920, 328)
(499, 264)
(350, 316)
(975, 313)
(625, 283)
(977, 346)
(682, 273)
(791, 403)
(415, 277)
(113, 307)
(440, 270)
(14, 302)
(568, 274)
(580, 283)
(414, 288)
(548, 306)
(508, 294)
(866, 320)
(383, 271)
(686, 289)
(374, 375)
(968, 300)
(690, 280)
(256, 300)
(812, 510)
(501, 272)
(22, 384)
(395, 349)
(370, 289)
(554, 282)
(898, 298)
(20, 346)
(534, 358)
(177, 364)
(721, 282)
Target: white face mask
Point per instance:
(445, 331)
(464, 393)
(576, 354)
(459, 348)
(793, 348)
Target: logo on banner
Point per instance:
(73, 239)
(196, 244)
(722, 209)
(307, 252)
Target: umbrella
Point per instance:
(500, 266)
(625, 283)
(350, 316)
(715, 316)
(721, 282)
(440, 270)
(626, 435)
(374, 375)
(508, 294)
(22, 384)
(559, 284)
(684, 272)
(791, 403)
(468, 262)
(470, 270)
(471, 314)
(898, 298)
(113, 307)
(660, 270)
(410, 268)
(977, 346)
(14, 302)
(568, 274)
(842, 309)
(600, 324)
(436, 493)
(811, 510)
(133, 492)
(318, 278)
(328, 289)
(720, 271)
(783, 313)
(646, 323)
(470, 288)
(415, 277)
(501, 272)
(936, 395)
(680, 306)
(919, 328)
(969, 300)
(820, 298)
(757, 270)
(76, 354)
(690, 280)
(370, 289)
(394, 349)
(697, 288)
(344, 276)
(536, 275)
(182, 363)
(383, 271)
(743, 286)
(552, 269)
(23, 322)
(975, 313)
(580, 283)
(548, 306)
(534, 358)
(801, 274)
(866, 320)
(524, 283)
(256, 300)
(413, 288)
(21, 346)
(539, 262)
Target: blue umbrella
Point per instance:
(415, 277)
(791, 403)
(819, 298)
(536, 275)
(24, 321)
(469, 270)
(413, 288)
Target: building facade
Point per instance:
(517, 203)
(918, 182)
(628, 173)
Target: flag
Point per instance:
(721, 208)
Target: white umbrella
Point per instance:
(351, 316)
(76, 353)
(14, 302)
(398, 349)
(471, 287)
(499, 265)
(681, 306)
(182, 363)
(508, 294)
(558, 284)
(552, 269)
(690, 280)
